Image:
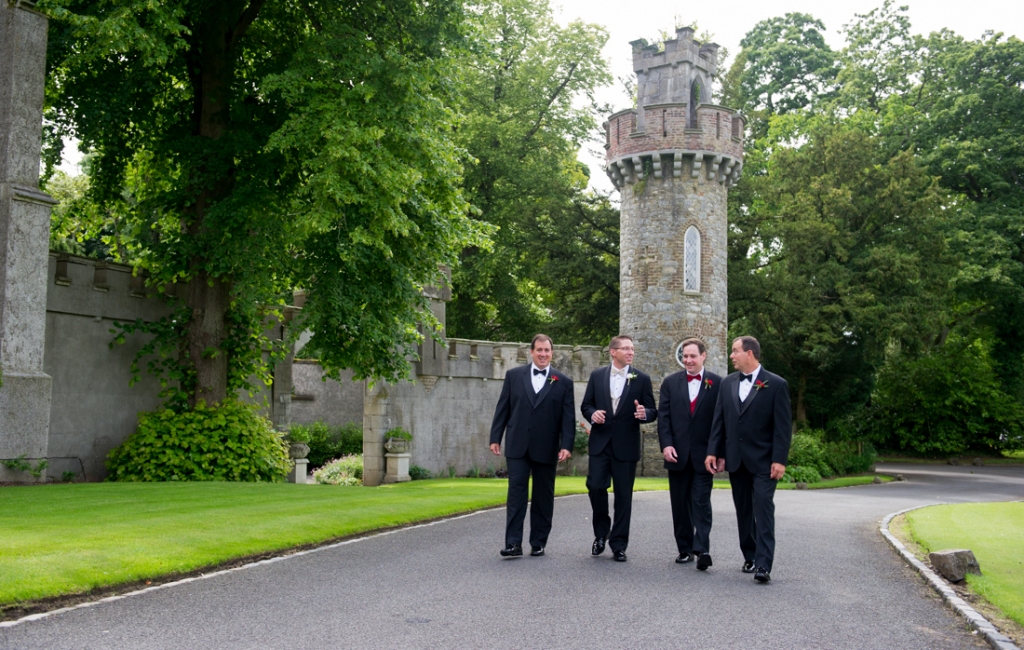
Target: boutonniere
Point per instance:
(552, 379)
(760, 384)
(708, 383)
(630, 377)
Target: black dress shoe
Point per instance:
(598, 547)
(762, 575)
(684, 558)
(512, 550)
(536, 551)
(704, 561)
(619, 556)
(748, 566)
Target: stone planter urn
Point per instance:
(297, 450)
(396, 445)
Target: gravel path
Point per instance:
(836, 584)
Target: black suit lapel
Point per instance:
(604, 390)
(734, 393)
(754, 390)
(545, 389)
(528, 386)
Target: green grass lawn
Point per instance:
(1005, 458)
(68, 539)
(995, 532)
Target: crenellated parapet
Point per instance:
(676, 131)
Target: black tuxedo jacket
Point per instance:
(758, 431)
(689, 434)
(621, 429)
(537, 425)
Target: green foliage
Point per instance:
(528, 106)
(806, 450)
(581, 443)
(326, 442)
(946, 402)
(21, 464)
(849, 457)
(347, 470)
(784, 65)
(798, 474)
(418, 473)
(249, 149)
(299, 434)
(230, 441)
(67, 477)
(397, 433)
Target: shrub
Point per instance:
(327, 442)
(418, 473)
(846, 458)
(347, 470)
(945, 402)
(807, 450)
(797, 474)
(226, 442)
(581, 443)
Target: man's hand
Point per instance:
(670, 454)
(778, 469)
(597, 417)
(710, 463)
(564, 455)
(495, 449)
(641, 412)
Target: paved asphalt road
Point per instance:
(836, 584)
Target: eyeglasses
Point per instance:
(629, 349)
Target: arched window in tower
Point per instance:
(691, 260)
(696, 93)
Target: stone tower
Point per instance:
(672, 159)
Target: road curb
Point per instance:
(984, 627)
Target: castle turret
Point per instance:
(672, 159)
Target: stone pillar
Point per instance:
(672, 159)
(24, 238)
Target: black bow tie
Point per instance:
(540, 372)
(749, 377)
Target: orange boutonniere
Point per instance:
(760, 384)
(553, 379)
(708, 383)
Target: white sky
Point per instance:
(730, 21)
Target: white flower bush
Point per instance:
(347, 470)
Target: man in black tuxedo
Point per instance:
(618, 399)
(536, 414)
(751, 433)
(685, 411)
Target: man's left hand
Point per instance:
(778, 469)
(564, 454)
(641, 412)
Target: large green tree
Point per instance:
(528, 105)
(272, 144)
(841, 256)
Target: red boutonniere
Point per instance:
(760, 384)
(553, 379)
(708, 383)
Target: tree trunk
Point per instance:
(208, 300)
(801, 407)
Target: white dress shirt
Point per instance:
(694, 386)
(538, 380)
(617, 383)
(745, 386)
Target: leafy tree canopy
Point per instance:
(271, 145)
